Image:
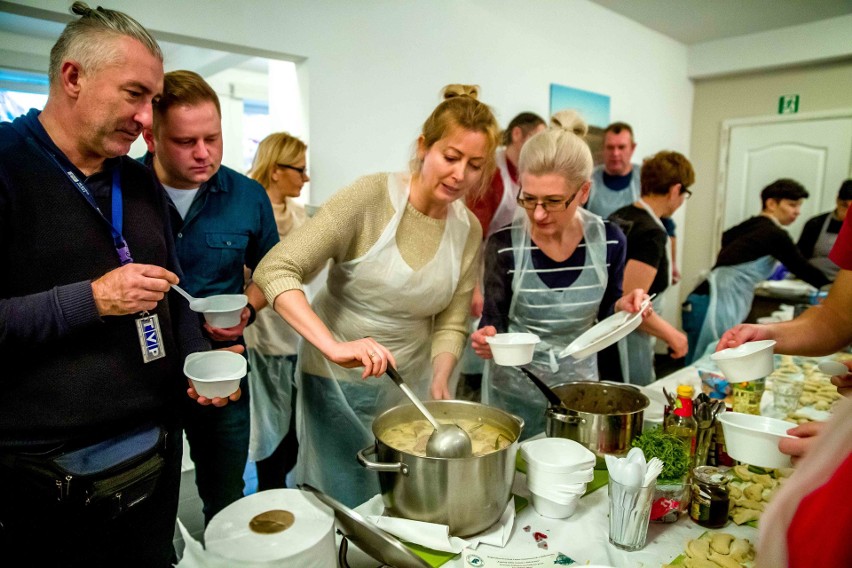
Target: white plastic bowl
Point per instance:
(556, 492)
(558, 478)
(557, 455)
(512, 349)
(222, 311)
(553, 509)
(754, 439)
(749, 361)
(215, 373)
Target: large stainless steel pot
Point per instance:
(603, 416)
(467, 494)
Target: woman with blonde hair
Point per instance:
(553, 272)
(279, 166)
(403, 247)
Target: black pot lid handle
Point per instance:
(382, 546)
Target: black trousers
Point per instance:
(37, 531)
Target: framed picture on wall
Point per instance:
(594, 107)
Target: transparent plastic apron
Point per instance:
(731, 294)
(823, 246)
(377, 295)
(604, 201)
(505, 212)
(636, 351)
(557, 316)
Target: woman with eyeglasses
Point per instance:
(404, 249)
(664, 182)
(554, 272)
(279, 166)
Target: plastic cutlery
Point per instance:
(833, 368)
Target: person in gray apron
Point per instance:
(665, 179)
(398, 293)
(820, 233)
(748, 256)
(533, 261)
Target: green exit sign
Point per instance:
(788, 104)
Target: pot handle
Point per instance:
(397, 467)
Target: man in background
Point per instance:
(820, 233)
(748, 256)
(222, 222)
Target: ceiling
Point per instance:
(697, 21)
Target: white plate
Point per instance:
(604, 334)
(789, 286)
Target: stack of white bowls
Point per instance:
(558, 470)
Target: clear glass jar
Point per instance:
(710, 499)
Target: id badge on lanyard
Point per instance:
(147, 325)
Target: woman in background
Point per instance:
(403, 247)
(553, 272)
(279, 166)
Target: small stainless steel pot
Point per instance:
(603, 416)
(467, 494)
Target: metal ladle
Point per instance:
(447, 440)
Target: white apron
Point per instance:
(557, 316)
(823, 246)
(636, 351)
(505, 212)
(731, 294)
(604, 201)
(377, 295)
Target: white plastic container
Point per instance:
(553, 509)
(215, 373)
(511, 349)
(557, 455)
(754, 439)
(222, 311)
(749, 361)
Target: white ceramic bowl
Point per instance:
(215, 373)
(512, 348)
(557, 455)
(754, 439)
(222, 311)
(749, 361)
(553, 509)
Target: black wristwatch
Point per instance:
(252, 314)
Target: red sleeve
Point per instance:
(485, 205)
(841, 253)
(824, 512)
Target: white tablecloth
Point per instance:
(584, 537)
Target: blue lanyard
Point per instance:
(121, 247)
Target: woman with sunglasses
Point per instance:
(554, 272)
(279, 166)
(404, 250)
(664, 181)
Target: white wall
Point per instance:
(376, 67)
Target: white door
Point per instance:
(816, 153)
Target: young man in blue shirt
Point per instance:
(222, 223)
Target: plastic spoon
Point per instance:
(447, 440)
(833, 368)
(194, 303)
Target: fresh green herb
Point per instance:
(667, 448)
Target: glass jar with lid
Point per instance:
(710, 498)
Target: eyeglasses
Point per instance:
(683, 189)
(550, 204)
(303, 170)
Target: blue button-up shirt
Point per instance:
(229, 225)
